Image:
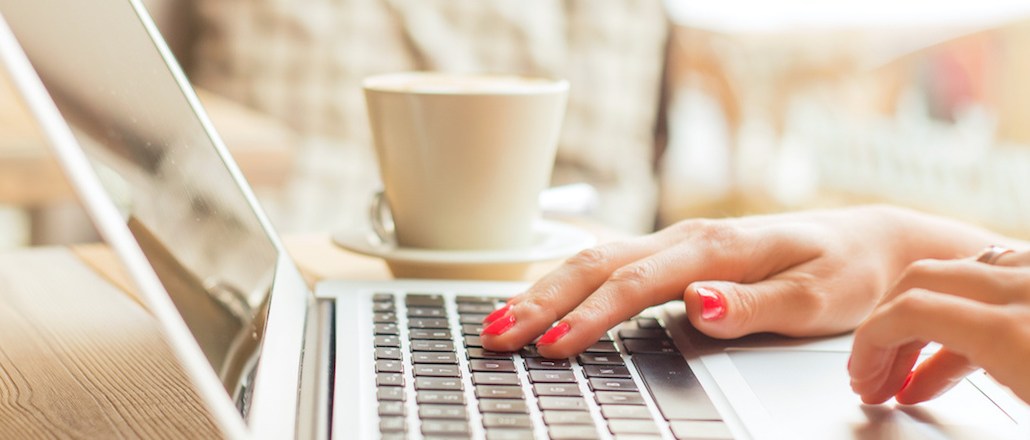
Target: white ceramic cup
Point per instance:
(463, 158)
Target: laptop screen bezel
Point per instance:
(277, 377)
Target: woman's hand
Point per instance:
(802, 274)
(979, 313)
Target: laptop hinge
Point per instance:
(314, 416)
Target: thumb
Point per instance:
(728, 310)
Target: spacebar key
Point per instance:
(674, 387)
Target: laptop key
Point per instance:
(612, 371)
(438, 383)
(602, 347)
(568, 418)
(432, 346)
(547, 364)
(423, 323)
(625, 412)
(471, 329)
(440, 397)
(700, 430)
(471, 318)
(391, 409)
(529, 351)
(473, 299)
(389, 366)
(642, 333)
(556, 389)
(551, 376)
(444, 427)
(508, 434)
(383, 307)
(562, 403)
(478, 308)
(387, 341)
(437, 370)
(499, 392)
(384, 318)
(606, 384)
(502, 406)
(388, 353)
(479, 353)
(600, 359)
(620, 426)
(648, 323)
(434, 358)
(650, 346)
(390, 393)
(674, 387)
(492, 365)
(618, 398)
(424, 334)
(606, 337)
(382, 297)
(473, 341)
(423, 300)
(498, 420)
(387, 329)
(393, 424)
(389, 380)
(449, 412)
(572, 432)
(486, 378)
(426, 312)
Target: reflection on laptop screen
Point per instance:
(157, 161)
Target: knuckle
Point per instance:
(633, 278)
(921, 269)
(592, 258)
(910, 302)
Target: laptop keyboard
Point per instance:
(434, 378)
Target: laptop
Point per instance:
(397, 359)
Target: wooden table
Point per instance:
(80, 357)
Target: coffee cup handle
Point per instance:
(380, 218)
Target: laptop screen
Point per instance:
(159, 164)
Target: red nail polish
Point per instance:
(496, 314)
(712, 305)
(554, 334)
(500, 325)
(907, 380)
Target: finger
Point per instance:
(934, 376)
(783, 304)
(965, 278)
(1013, 259)
(529, 314)
(960, 324)
(737, 255)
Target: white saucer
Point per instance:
(552, 241)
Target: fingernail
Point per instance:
(712, 305)
(554, 334)
(496, 314)
(500, 325)
(907, 380)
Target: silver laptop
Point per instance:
(398, 359)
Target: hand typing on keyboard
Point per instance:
(799, 274)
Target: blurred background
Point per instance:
(678, 109)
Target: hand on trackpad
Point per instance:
(808, 392)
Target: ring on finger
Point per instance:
(992, 253)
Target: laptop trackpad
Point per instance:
(808, 392)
